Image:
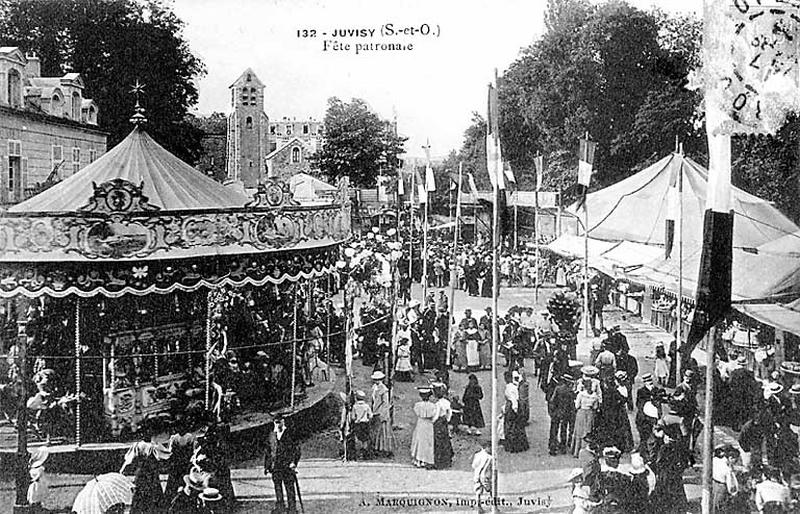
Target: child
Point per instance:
(38, 489)
(362, 415)
(661, 367)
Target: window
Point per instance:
(14, 92)
(76, 160)
(58, 156)
(250, 163)
(288, 130)
(305, 129)
(76, 106)
(253, 95)
(248, 122)
(249, 78)
(272, 130)
(93, 155)
(14, 148)
(55, 105)
(295, 155)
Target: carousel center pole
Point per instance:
(78, 354)
(294, 345)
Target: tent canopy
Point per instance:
(635, 209)
(169, 183)
(631, 217)
(304, 186)
(782, 317)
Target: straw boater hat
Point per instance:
(361, 395)
(621, 375)
(611, 452)
(590, 371)
(795, 389)
(742, 359)
(378, 375)
(647, 378)
(574, 474)
(774, 387)
(210, 494)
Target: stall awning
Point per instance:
(572, 246)
(773, 314)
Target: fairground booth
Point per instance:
(139, 286)
(639, 243)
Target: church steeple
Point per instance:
(247, 131)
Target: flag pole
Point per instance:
(454, 266)
(586, 257)
(679, 330)
(411, 229)
(516, 218)
(536, 236)
(425, 232)
(495, 277)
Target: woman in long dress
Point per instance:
(515, 438)
(382, 436)
(422, 438)
(473, 415)
(586, 404)
(403, 367)
(442, 447)
(460, 354)
(146, 457)
(473, 354)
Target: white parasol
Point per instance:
(102, 492)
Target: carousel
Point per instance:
(140, 287)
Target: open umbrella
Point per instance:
(102, 492)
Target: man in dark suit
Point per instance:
(281, 459)
(561, 407)
(645, 420)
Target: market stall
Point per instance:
(131, 284)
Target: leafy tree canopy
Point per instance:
(357, 143)
(112, 44)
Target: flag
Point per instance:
(349, 342)
(494, 157)
(673, 205)
(430, 181)
(422, 193)
(713, 293)
(401, 188)
(454, 185)
(509, 173)
(586, 150)
(539, 162)
(473, 188)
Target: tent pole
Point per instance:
(536, 240)
(679, 330)
(454, 267)
(586, 314)
(425, 249)
(411, 229)
(21, 477)
(208, 351)
(495, 286)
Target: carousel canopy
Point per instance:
(631, 217)
(139, 220)
(168, 182)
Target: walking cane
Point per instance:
(297, 488)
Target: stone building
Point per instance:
(48, 130)
(257, 146)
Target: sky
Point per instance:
(432, 88)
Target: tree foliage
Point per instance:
(113, 44)
(357, 143)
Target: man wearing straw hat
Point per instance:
(187, 500)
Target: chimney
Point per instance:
(33, 68)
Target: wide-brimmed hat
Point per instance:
(611, 452)
(795, 389)
(773, 387)
(196, 479)
(38, 456)
(424, 390)
(361, 395)
(210, 494)
(414, 303)
(650, 410)
(378, 375)
(621, 375)
(472, 331)
(647, 378)
(742, 359)
(590, 371)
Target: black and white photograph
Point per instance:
(399, 256)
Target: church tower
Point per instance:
(247, 131)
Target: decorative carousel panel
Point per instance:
(163, 276)
(119, 223)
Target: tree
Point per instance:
(114, 44)
(357, 144)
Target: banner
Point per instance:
(586, 151)
(494, 157)
(539, 162)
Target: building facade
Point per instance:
(258, 147)
(48, 130)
